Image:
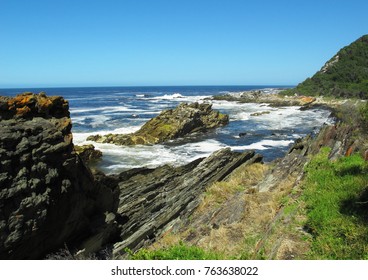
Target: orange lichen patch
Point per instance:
(22, 111)
(307, 100)
(44, 103)
(34, 105)
(21, 100)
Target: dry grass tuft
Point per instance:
(243, 178)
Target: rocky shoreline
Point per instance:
(276, 98)
(49, 197)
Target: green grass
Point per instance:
(176, 252)
(335, 196)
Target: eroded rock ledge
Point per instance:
(170, 124)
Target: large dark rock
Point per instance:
(47, 196)
(170, 124)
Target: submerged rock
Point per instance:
(170, 124)
(257, 114)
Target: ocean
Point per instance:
(105, 110)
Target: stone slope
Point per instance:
(150, 199)
(170, 124)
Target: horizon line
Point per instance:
(131, 86)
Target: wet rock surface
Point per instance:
(170, 124)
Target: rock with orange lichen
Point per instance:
(29, 105)
(305, 100)
(48, 197)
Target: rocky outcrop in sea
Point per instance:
(170, 124)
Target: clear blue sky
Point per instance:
(45, 43)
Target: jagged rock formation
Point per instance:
(170, 124)
(152, 198)
(47, 195)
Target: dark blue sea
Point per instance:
(125, 109)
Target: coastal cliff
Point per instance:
(47, 195)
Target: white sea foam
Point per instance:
(202, 148)
(178, 97)
(172, 96)
(125, 157)
(264, 144)
(80, 138)
(98, 120)
(292, 117)
(119, 158)
(106, 109)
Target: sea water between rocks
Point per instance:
(103, 110)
